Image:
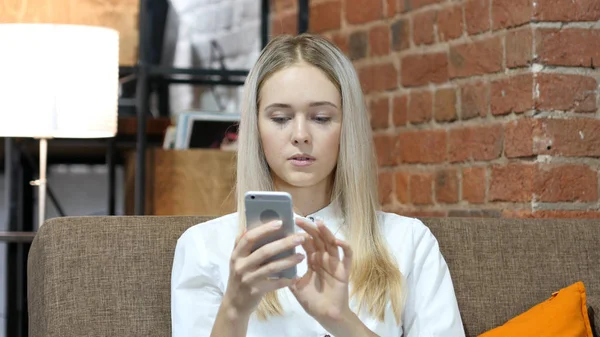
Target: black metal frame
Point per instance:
(149, 76)
(19, 196)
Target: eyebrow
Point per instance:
(312, 104)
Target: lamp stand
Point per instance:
(41, 182)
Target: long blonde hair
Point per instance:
(375, 276)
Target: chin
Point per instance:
(297, 179)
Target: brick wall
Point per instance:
(479, 107)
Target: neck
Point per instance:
(307, 200)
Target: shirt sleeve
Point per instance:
(195, 292)
(431, 308)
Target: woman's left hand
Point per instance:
(323, 291)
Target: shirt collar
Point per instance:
(331, 215)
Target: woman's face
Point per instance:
(299, 121)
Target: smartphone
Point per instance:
(265, 206)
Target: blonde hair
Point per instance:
(375, 276)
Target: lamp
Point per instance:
(58, 81)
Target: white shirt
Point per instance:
(201, 270)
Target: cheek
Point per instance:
(333, 143)
(272, 142)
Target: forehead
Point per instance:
(298, 84)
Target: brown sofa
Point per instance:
(109, 276)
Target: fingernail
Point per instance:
(277, 224)
(299, 239)
(299, 257)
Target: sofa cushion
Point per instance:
(564, 314)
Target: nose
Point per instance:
(300, 133)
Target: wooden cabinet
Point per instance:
(185, 182)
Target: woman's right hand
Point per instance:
(249, 275)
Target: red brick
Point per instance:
(566, 183)
(341, 41)
(446, 186)
(477, 16)
(473, 185)
(380, 113)
(510, 13)
(385, 146)
(421, 69)
(519, 47)
(325, 16)
(385, 187)
(358, 43)
(400, 34)
(477, 58)
(513, 182)
(378, 77)
(550, 214)
(519, 135)
(579, 137)
(379, 40)
(475, 143)
(474, 100)
(423, 27)
(450, 23)
(400, 110)
(361, 11)
(567, 10)
(285, 24)
(576, 137)
(420, 107)
(422, 146)
(445, 105)
(421, 188)
(551, 45)
(513, 94)
(392, 8)
(414, 4)
(401, 181)
(566, 92)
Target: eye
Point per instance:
(280, 119)
(322, 119)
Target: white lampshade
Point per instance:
(58, 81)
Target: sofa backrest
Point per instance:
(502, 267)
(110, 276)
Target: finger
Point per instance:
(249, 239)
(312, 230)
(266, 286)
(271, 249)
(329, 239)
(348, 254)
(239, 237)
(271, 268)
(309, 244)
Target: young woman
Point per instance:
(362, 272)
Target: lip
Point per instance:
(301, 160)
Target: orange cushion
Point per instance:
(562, 315)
